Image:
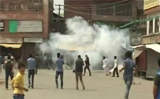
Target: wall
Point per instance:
(28, 15)
(142, 61)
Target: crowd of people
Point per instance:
(18, 81)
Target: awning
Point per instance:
(139, 47)
(155, 47)
(137, 53)
(11, 45)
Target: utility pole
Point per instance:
(59, 8)
(59, 13)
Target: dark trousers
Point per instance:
(31, 73)
(115, 71)
(61, 78)
(87, 67)
(8, 74)
(18, 96)
(36, 69)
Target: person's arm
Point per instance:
(155, 87)
(16, 82)
(122, 68)
(155, 91)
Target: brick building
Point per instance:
(23, 24)
(110, 11)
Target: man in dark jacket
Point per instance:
(8, 70)
(78, 71)
(87, 65)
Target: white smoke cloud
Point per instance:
(82, 38)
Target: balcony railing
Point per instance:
(124, 9)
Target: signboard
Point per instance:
(150, 4)
(33, 40)
(158, 38)
(25, 26)
(149, 40)
(1, 26)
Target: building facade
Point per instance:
(23, 24)
(147, 60)
(110, 12)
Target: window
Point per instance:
(1, 25)
(15, 6)
(105, 11)
(35, 5)
(124, 9)
(156, 26)
(151, 27)
(1, 6)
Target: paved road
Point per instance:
(97, 87)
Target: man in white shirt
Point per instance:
(115, 67)
(105, 66)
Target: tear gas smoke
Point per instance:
(83, 38)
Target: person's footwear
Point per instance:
(61, 87)
(57, 86)
(77, 88)
(83, 87)
(117, 76)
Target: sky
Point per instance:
(56, 7)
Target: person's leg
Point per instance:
(6, 79)
(76, 77)
(61, 76)
(117, 72)
(29, 76)
(56, 78)
(89, 71)
(33, 73)
(114, 72)
(85, 70)
(128, 86)
(11, 75)
(81, 79)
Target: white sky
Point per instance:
(56, 7)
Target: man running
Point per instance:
(105, 66)
(59, 70)
(18, 83)
(87, 64)
(115, 71)
(31, 70)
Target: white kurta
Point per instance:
(105, 65)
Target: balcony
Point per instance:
(123, 12)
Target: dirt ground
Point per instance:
(98, 86)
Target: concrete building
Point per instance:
(150, 48)
(23, 24)
(152, 10)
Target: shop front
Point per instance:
(150, 52)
